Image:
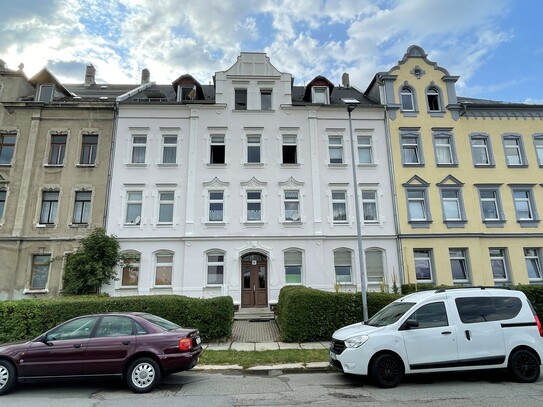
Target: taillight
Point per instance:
(185, 344)
(539, 326)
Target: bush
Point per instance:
(26, 319)
(306, 314)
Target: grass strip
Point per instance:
(263, 358)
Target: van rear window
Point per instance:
(484, 309)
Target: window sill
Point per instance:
(290, 165)
(409, 113)
(345, 223)
(215, 224)
(136, 165)
(78, 225)
(413, 165)
(254, 165)
(167, 165)
(366, 165)
(494, 223)
(5, 165)
(436, 113)
(292, 223)
(35, 291)
(131, 225)
(517, 166)
(337, 165)
(53, 165)
(451, 165)
(216, 165)
(484, 165)
(528, 223)
(420, 224)
(44, 225)
(254, 224)
(128, 287)
(85, 165)
(451, 224)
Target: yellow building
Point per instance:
(468, 179)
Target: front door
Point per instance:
(254, 280)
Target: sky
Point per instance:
(495, 46)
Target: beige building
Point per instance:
(468, 178)
(55, 148)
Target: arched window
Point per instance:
(343, 265)
(375, 270)
(432, 97)
(130, 269)
(406, 95)
(163, 268)
(293, 266)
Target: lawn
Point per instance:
(259, 358)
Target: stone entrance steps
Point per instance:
(254, 314)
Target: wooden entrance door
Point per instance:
(254, 280)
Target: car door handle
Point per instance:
(446, 333)
(468, 335)
(126, 342)
(77, 346)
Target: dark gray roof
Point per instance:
(98, 91)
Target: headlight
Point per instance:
(356, 341)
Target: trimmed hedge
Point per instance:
(26, 319)
(306, 314)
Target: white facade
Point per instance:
(186, 213)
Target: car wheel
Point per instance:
(524, 366)
(143, 375)
(387, 370)
(8, 377)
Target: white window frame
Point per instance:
(366, 200)
(320, 95)
(208, 264)
(481, 142)
(168, 145)
(341, 263)
(411, 142)
(373, 276)
(434, 92)
(422, 202)
(447, 147)
(532, 256)
(138, 143)
(217, 140)
(289, 140)
(211, 201)
(335, 143)
(424, 255)
(33, 269)
(365, 147)
(338, 200)
(456, 201)
(134, 263)
(496, 199)
(266, 91)
(538, 146)
(130, 202)
(292, 200)
(500, 254)
(164, 265)
(407, 92)
(460, 255)
(297, 264)
(168, 202)
(253, 141)
(259, 201)
(513, 150)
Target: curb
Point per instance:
(269, 370)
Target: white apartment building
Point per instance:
(244, 186)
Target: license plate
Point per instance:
(333, 356)
(198, 340)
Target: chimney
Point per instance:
(89, 75)
(145, 76)
(345, 80)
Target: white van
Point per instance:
(444, 330)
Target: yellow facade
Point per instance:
(423, 138)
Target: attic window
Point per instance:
(154, 94)
(320, 95)
(186, 93)
(45, 93)
(241, 99)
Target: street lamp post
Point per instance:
(351, 105)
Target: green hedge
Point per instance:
(26, 319)
(306, 314)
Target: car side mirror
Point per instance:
(408, 324)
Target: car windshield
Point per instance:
(161, 322)
(390, 314)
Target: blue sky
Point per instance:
(495, 46)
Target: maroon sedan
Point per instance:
(140, 348)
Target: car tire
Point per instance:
(524, 366)
(143, 375)
(8, 377)
(387, 370)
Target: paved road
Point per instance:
(316, 389)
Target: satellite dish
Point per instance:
(137, 220)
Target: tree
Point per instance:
(92, 264)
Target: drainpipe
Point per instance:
(110, 166)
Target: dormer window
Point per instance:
(185, 93)
(45, 93)
(320, 95)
